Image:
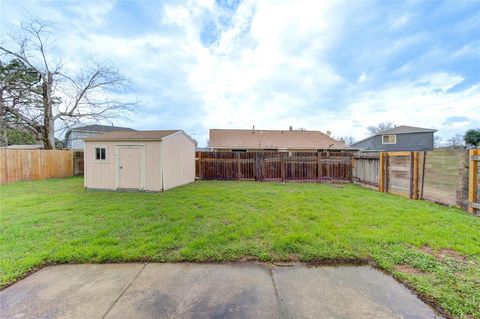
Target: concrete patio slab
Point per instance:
(345, 292)
(67, 291)
(199, 291)
(237, 290)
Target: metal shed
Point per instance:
(139, 160)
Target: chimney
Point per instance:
(329, 133)
(290, 128)
(253, 128)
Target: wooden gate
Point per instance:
(275, 166)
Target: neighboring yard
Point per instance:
(434, 249)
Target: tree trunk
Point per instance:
(48, 124)
(3, 125)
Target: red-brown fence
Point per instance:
(275, 166)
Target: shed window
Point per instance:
(389, 139)
(100, 153)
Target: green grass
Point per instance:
(56, 221)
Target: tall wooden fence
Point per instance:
(449, 177)
(18, 165)
(275, 166)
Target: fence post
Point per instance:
(352, 167)
(381, 173)
(200, 165)
(239, 173)
(319, 173)
(415, 175)
(282, 166)
(473, 157)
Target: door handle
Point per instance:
(121, 167)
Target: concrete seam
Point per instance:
(124, 290)
(280, 308)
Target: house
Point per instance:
(74, 137)
(272, 140)
(400, 138)
(139, 160)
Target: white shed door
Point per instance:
(130, 167)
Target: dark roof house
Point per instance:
(233, 139)
(74, 137)
(400, 138)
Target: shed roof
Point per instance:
(156, 135)
(232, 138)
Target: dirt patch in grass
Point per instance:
(408, 270)
(452, 254)
(444, 252)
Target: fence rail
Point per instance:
(17, 165)
(275, 166)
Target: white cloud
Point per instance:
(362, 78)
(401, 21)
(442, 80)
(95, 12)
(422, 102)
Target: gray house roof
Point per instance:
(136, 135)
(96, 128)
(402, 129)
(100, 128)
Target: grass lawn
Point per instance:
(433, 249)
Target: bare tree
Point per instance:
(380, 128)
(455, 142)
(437, 142)
(349, 140)
(91, 94)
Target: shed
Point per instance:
(139, 160)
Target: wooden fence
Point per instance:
(275, 166)
(366, 169)
(448, 177)
(18, 165)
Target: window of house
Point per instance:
(100, 153)
(389, 139)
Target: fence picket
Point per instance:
(275, 166)
(17, 165)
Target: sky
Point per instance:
(337, 66)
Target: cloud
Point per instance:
(417, 103)
(455, 119)
(316, 64)
(400, 21)
(362, 78)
